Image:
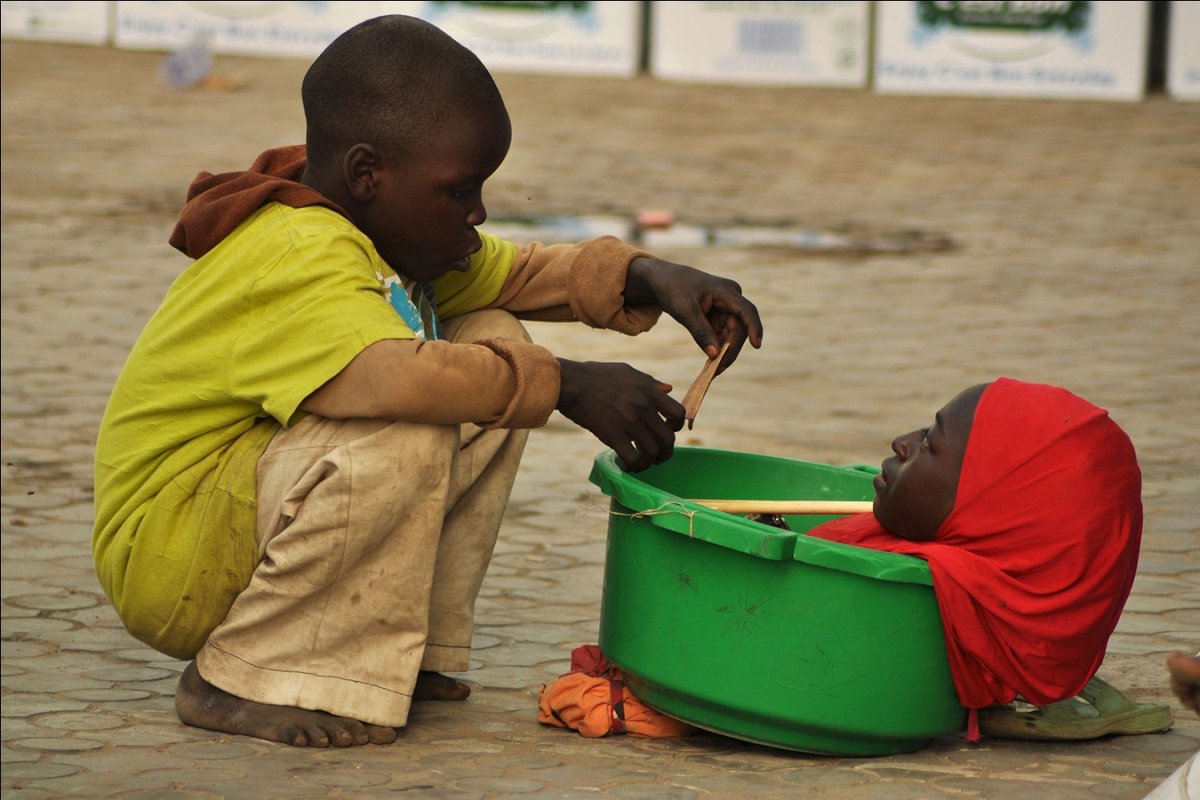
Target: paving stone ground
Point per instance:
(1075, 260)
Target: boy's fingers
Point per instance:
(707, 342)
(751, 322)
(714, 333)
(628, 455)
(740, 321)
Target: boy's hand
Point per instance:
(713, 309)
(624, 408)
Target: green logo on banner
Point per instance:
(1070, 16)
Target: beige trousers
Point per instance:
(374, 538)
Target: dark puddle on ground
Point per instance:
(659, 230)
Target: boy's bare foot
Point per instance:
(436, 686)
(203, 705)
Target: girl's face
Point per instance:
(915, 491)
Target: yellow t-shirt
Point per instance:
(241, 339)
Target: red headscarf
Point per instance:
(1034, 563)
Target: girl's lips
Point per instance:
(881, 480)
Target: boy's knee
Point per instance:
(489, 323)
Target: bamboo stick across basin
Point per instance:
(835, 507)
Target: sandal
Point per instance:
(1098, 710)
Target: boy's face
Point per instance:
(915, 492)
(426, 207)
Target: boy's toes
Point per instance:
(380, 734)
(292, 735)
(345, 732)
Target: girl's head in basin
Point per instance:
(915, 490)
(1025, 500)
(1010, 449)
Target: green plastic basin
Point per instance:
(767, 635)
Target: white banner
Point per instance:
(1183, 50)
(577, 37)
(269, 28)
(1021, 48)
(80, 23)
(797, 43)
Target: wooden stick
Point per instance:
(787, 506)
(699, 388)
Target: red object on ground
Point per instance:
(593, 700)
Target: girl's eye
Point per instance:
(925, 438)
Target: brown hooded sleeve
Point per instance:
(584, 282)
(518, 386)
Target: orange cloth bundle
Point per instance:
(593, 700)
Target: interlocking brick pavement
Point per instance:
(1076, 261)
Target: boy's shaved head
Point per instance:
(393, 81)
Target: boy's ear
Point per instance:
(360, 170)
